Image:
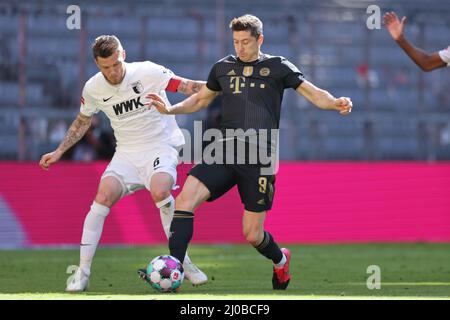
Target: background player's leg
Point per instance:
(109, 192)
(193, 194)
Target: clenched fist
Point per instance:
(49, 158)
(344, 105)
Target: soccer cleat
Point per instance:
(143, 275)
(79, 282)
(281, 276)
(192, 273)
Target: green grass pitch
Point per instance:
(408, 271)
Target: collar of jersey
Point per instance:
(261, 58)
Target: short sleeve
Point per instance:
(159, 76)
(87, 106)
(445, 55)
(292, 77)
(212, 83)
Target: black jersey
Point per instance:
(253, 91)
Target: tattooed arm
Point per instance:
(73, 135)
(189, 87)
(76, 131)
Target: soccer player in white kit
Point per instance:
(427, 62)
(145, 155)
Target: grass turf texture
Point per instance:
(408, 271)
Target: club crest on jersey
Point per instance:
(264, 72)
(137, 87)
(248, 71)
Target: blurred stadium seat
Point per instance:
(330, 43)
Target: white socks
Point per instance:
(93, 227)
(281, 263)
(92, 231)
(166, 210)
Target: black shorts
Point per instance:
(256, 190)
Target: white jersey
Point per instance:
(135, 127)
(445, 55)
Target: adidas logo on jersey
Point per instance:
(127, 106)
(231, 73)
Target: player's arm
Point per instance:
(427, 62)
(192, 104)
(323, 99)
(185, 86)
(76, 131)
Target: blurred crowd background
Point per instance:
(401, 112)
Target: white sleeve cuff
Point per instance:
(445, 55)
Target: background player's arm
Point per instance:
(427, 62)
(76, 131)
(323, 99)
(191, 104)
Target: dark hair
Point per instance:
(247, 22)
(105, 45)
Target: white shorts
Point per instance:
(135, 169)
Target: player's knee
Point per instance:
(194, 193)
(109, 191)
(254, 237)
(185, 202)
(160, 195)
(104, 199)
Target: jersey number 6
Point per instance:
(156, 162)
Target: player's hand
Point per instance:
(344, 105)
(394, 25)
(49, 158)
(157, 102)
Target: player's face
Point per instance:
(247, 46)
(112, 67)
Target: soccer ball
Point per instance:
(165, 273)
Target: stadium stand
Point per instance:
(400, 112)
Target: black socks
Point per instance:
(181, 231)
(269, 248)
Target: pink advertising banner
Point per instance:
(329, 202)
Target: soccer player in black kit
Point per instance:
(252, 85)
